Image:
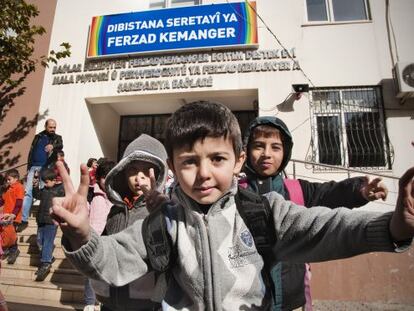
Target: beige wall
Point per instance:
(19, 126)
(331, 55)
(375, 277)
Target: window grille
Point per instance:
(337, 10)
(159, 4)
(348, 128)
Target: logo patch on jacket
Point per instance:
(243, 253)
(247, 238)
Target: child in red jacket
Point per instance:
(12, 210)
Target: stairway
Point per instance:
(61, 290)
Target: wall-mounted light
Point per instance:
(299, 89)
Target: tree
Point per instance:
(17, 40)
(17, 43)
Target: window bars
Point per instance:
(348, 128)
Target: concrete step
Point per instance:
(31, 229)
(34, 260)
(28, 248)
(68, 276)
(22, 237)
(61, 290)
(53, 291)
(16, 303)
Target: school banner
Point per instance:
(195, 27)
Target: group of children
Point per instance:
(209, 253)
(47, 184)
(196, 249)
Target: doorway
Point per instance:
(132, 126)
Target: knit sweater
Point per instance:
(218, 266)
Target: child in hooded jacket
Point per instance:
(123, 188)
(268, 144)
(217, 265)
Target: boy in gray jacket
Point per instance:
(123, 187)
(217, 265)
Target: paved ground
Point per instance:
(325, 305)
(318, 306)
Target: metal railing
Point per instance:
(313, 174)
(10, 168)
(339, 168)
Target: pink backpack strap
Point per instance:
(296, 195)
(243, 183)
(295, 191)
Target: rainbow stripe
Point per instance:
(95, 49)
(250, 22)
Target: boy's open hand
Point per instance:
(8, 217)
(153, 198)
(71, 211)
(402, 221)
(374, 189)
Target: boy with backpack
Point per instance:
(268, 144)
(210, 256)
(46, 229)
(123, 188)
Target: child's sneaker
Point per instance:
(43, 271)
(89, 308)
(23, 225)
(11, 258)
(5, 254)
(53, 260)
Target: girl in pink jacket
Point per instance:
(98, 211)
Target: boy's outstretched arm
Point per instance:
(374, 189)
(71, 211)
(402, 221)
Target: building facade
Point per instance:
(338, 73)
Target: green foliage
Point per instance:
(17, 41)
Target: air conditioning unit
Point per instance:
(405, 79)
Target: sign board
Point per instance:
(184, 28)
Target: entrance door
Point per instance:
(154, 125)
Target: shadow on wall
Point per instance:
(395, 106)
(7, 158)
(287, 104)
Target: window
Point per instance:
(348, 128)
(159, 4)
(337, 10)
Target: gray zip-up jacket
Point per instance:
(218, 266)
(138, 294)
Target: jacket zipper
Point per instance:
(211, 289)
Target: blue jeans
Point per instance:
(45, 240)
(89, 293)
(28, 196)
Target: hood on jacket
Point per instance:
(144, 148)
(283, 129)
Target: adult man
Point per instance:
(43, 152)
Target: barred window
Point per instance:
(159, 4)
(337, 10)
(348, 127)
